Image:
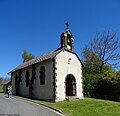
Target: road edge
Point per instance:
(30, 100)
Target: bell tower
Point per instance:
(67, 39)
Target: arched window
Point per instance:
(42, 75)
(16, 84)
(20, 76)
(16, 80)
(27, 78)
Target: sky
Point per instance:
(36, 26)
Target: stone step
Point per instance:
(72, 98)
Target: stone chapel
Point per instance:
(54, 76)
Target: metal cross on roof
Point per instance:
(67, 25)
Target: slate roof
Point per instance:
(44, 57)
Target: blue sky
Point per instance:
(36, 26)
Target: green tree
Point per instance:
(105, 46)
(99, 58)
(91, 62)
(27, 56)
(1, 79)
(109, 85)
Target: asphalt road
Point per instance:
(18, 107)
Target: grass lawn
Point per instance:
(86, 107)
(1, 89)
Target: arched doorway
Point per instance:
(70, 85)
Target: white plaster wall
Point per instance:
(65, 67)
(39, 91)
(44, 91)
(23, 90)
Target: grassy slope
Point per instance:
(87, 107)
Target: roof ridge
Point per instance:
(41, 58)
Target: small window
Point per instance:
(27, 78)
(42, 75)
